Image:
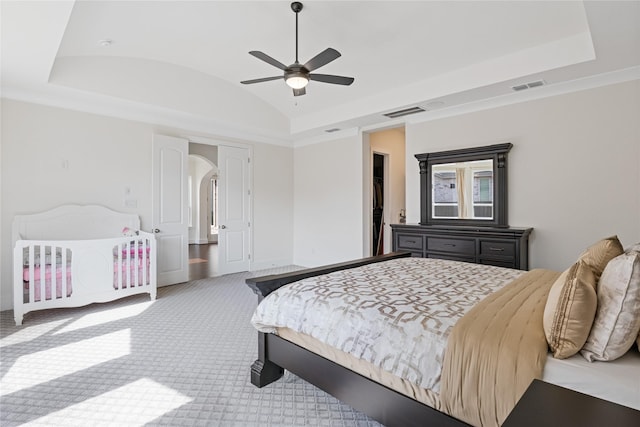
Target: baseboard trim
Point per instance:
(273, 263)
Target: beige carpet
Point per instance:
(183, 359)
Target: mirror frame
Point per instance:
(497, 153)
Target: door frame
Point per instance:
(218, 142)
(386, 212)
(367, 185)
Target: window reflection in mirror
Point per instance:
(463, 190)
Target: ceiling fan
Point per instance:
(296, 75)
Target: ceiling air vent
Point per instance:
(404, 112)
(332, 130)
(529, 85)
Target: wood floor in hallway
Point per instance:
(203, 261)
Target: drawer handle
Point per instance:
(497, 249)
(411, 241)
(450, 244)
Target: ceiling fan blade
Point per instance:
(298, 92)
(323, 58)
(264, 79)
(269, 60)
(328, 78)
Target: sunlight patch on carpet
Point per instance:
(28, 333)
(106, 316)
(48, 365)
(137, 403)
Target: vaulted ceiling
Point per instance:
(180, 63)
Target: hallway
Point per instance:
(203, 261)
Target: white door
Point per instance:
(233, 209)
(169, 193)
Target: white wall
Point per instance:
(105, 156)
(574, 170)
(391, 142)
(272, 206)
(328, 202)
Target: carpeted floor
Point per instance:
(181, 360)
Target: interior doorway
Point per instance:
(378, 184)
(202, 211)
(385, 190)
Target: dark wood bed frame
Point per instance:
(381, 403)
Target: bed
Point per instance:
(76, 255)
(390, 387)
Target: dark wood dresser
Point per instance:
(499, 246)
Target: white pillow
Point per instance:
(617, 323)
(633, 248)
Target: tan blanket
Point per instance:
(496, 350)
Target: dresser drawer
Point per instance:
(497, 248)
(456, 246)
(452, 257)
(510, 263)
(410, 241)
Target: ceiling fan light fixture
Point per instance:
(297, 80)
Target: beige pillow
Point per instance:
(600, 253)
(617, 323)
(570, 310)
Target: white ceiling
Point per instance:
(179, 63)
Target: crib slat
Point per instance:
(53, 272)
(128, 266)
(118, 266)
(145, 256)
(43, 274)
(63, 268)
(32, 273)
(136, 266)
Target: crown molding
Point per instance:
(104, 105)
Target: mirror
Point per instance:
(464, 187)
(462, 190)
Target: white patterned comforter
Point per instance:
(395, 314)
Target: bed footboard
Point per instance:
(264, 285)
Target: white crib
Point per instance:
(76, 255)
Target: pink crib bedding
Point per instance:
(38, 278)
(123, 266)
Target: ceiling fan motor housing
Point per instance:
(296, 70)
